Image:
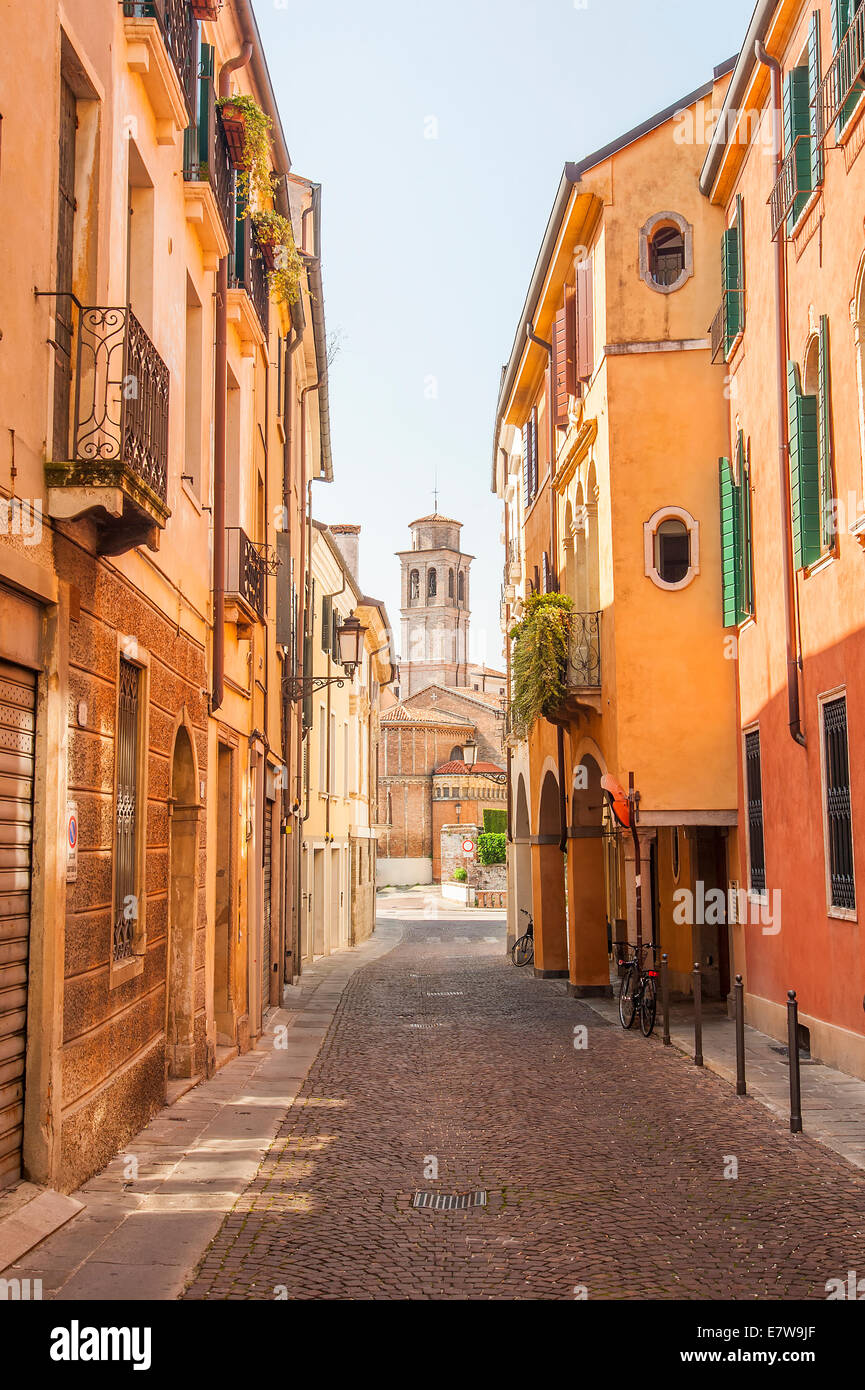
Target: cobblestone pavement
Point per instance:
(604, 1167)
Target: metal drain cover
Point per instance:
(444, 993)
(449, 1201)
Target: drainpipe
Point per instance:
(219, 428)
(794, 656)
(553, 557)
(509, 827)
(288, 412)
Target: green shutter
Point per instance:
(326, 622)
(797, 135)
(729, 546)
(842, 17)
(744, 563)
(730, 285)
(815, 77)
(824, 406)
(205, 102)
(804, 471)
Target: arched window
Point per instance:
(461, 588)
(431, 584)
(450, 583)
(666, 252)
(414, 584)
(672, 548)
(666, 255)
(456, 754)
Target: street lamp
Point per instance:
(470, 757)
(458, 807)
(349, 649)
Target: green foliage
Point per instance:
(460, 875)
(275, 231)
(495, 822)
(492, 849)
(254, 180)
(540, 659)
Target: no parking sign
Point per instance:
(468, 847)
(71, 841)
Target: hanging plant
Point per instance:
(280, 254)
(540, 659)
(247, 130)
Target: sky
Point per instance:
(439, 132)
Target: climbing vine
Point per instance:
(540, 659)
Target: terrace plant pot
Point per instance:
(234, 125)
(206, 9)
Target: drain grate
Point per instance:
(444, 993)
(426, 1025)
(449, 1201)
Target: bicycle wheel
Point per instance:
(627, 1001)
(648, 1007)
(523, 951)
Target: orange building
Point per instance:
(785, 167)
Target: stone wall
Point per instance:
(452, 837)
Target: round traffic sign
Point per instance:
(468, 847)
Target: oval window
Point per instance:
(667, 256)
(672, 550)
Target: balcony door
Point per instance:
(63, 331)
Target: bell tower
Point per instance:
(434, 606)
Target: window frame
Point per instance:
(650, 530)
(755, 895)
(129, 650)
(833, 910)
(648, 231)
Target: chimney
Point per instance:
(348, 539)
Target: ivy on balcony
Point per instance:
(540, 660)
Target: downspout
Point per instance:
(305, 591)
(509, 826)
(288, 413)
(219, 433)
(794, 656)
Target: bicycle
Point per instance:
(638, 993)
(523, 949)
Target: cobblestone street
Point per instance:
(604, 1167)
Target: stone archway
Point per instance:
(548, 885)
(520, 887)
(185, 812)
(587, 900)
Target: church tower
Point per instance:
(434, 606)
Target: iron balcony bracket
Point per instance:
(297, 687)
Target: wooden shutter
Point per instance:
(744, 561)
(804, 471)
(814, 79)
(533, 436)
(842, 16)
(730, 286)
(526, 465)
(729, 531)
(824, 423)
(560, 359)
(585, 321)
(307, 693)
(797, 134)
(63, 324)
(326, 622)
(571, 339)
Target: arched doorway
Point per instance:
(185, 811)
(548, 885)
(587, 899)
(520, 888)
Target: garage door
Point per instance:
(17, 737)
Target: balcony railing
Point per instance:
(205, 155)
(844, 72)
(245, 570)
(120, 413)
(584, 652)
(249, 272)
(726, 324)
(793, 185)
(179, 29)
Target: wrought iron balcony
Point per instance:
(206, 159)
(118, 459)
(179, 29)
(793, 185)
(840, 83)
(727, 323)
(245, 571)
(249, 272)
(584, 652)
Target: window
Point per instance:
(671, 539)
(346, 760)
(811, 469)
(128, 808)
(666, 252)
(450, 583)
(332, 779)
(797, 138)
(674, 842)
(530, 460)
(843, 13)
(461, 588)
(431, 584)
(754, 791)
(737, 564)
(733, 279)
(326, 622)
(837, 805)
(193, 394)
(414, 585)
(322, 750)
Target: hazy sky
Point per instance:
(429, 243)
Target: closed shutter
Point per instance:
(804, 471)
(585, 321)
(730, 286)
(729, 532)
(560, 358)
(571, 340)
(746, 569)
(842, 17)
(815, 77)
(326, 622)
(797, 136)
(17, 740)
(63, 328)
(754, 794)
(824, 420)
(307, 673)
(527, 496)
(267, 917)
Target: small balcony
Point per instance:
(727, 323)
(209, 178)
(793, 185)
(245, 574)
(249, 292)
(841, 88)
(583, 673)
(162, 47)
(116, 467)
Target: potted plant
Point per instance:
(280, 254)
(206, 9)
(247, 131)
(540, 659)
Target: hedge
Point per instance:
(495, 822)
(491, 849)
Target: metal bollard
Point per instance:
(665, 998)
(698, 1015)
(793, 1055)
(739, 997)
